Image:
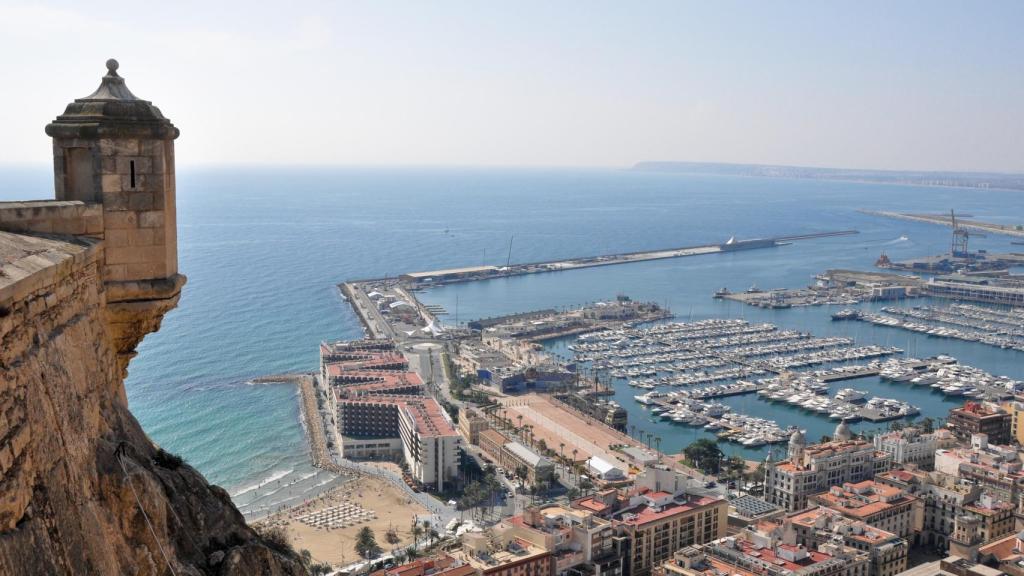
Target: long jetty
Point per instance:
(621, 258)
(943, 220)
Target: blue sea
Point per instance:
(265, 247)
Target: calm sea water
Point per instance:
(264, 249)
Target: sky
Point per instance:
(933, 85)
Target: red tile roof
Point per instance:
(643, 514)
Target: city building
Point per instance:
(659, 516)
(879, 505)
(981, 418)
(415, 428)
(471, 424)
(978, 291)
(953, 566)
(501, 551)
(910, 446)
(745, 510)
(513, 456)
(449, 275)
(812, 469)
(887, 552)
(1006, 554)
(590, 403)
(367, 353)
(942, 499)
(443, 565)
(997, 469)
(767, 550)
(380, 414)
(604, 470)
(582, 543)
(1015, 408)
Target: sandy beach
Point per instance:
(392, 509)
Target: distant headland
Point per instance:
(999, 180)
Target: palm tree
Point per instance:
(366, 543)
(657, 442)
(416, 533)
(574, 452)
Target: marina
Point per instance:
(686, 371)
(954, 380)
(810, 393)
(709, 351)
(680, 354)
(971, 323)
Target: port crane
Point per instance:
(961, 236)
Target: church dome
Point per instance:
(843, 432)
(798, 438)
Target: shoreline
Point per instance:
(314, 435)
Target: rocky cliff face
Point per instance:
(82, 489)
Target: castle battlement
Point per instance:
(113, 163)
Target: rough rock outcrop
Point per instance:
(69, 502)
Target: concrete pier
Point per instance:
(485, 272)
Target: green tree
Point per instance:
(522, 474)
(705, 455)
(366, 543)
(927, 425)
(586, 484)
(733, 468)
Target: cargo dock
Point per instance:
(949, 221)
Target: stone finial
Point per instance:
(112, 87)
(112, 111)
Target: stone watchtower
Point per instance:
(116, 150)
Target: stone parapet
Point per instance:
(52, 217)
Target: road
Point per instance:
(367, 310)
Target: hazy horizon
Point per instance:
(910, 87)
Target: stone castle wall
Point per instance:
(52, 217)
